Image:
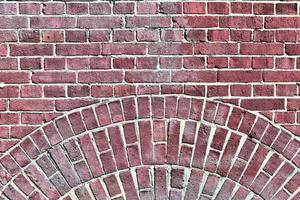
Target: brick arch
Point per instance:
(167, 131)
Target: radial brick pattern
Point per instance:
(147, 148)
(150, 99)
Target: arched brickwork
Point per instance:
(162, 147)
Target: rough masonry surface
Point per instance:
(149, 100)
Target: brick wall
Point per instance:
(149, 100)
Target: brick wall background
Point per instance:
(149, 99)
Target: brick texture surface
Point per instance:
(149, 99)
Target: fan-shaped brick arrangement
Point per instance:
(162, 147)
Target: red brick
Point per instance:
(8, 8)
(96, 22)
(293, 104)
(262, 49)
(102, 91)
(194, 76)
(9, 92)
(277, 180)
(11, 192)
(217, 90)
(129, 109)
(170, 49)
(264, 36)
(29, 36)
(263, 8)
(123, 36)
(240, 90)
(240, 62)
(52, 22)
(193, 7)
(160, 183)
(218, 35)
(30, 63)
(52, 134)
(70, 104)
(146, 62)
(123, 48)
(77, 8)
(260, 181)
(281, 76)
(118, 147)
(65, 166)
(263, 90)
(31, 91)
(123, 8)
(51, 8)
(286, 35)
(54, 63)
(262, 62)
(291, 185)
(218, 7)
(97, 189)
(8, 36)
(170, 63)
(172, 35)
(195, 35)
(147, 7)
(13, 22)
(123, 63)
(45, 185)
(241, 7)
(216, 48)
(30, 8)
(170, 7)
(286, 90)
(195, 21)
(210, 184)
(23, 184)
(31, 50)
(54, 77)
(100, 63)
(128, 185)
(31, 105)
(228, 154)
(100, 8)
(145, 21)
(77, 49)
(96, 77)
(75, 36)
(193, 62)
(292, 49)
(200, 148)
(263, 104)
(177, 177)
(54, 91)
(241, 22)
(239, 76)
(109, 164)
(147, 77)
(99, 35)
(282, 22)
(90, 155)
(226, 189)
(217, 62)
(103, 115)
(286, 8)
(253, 166)
(240, 35)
